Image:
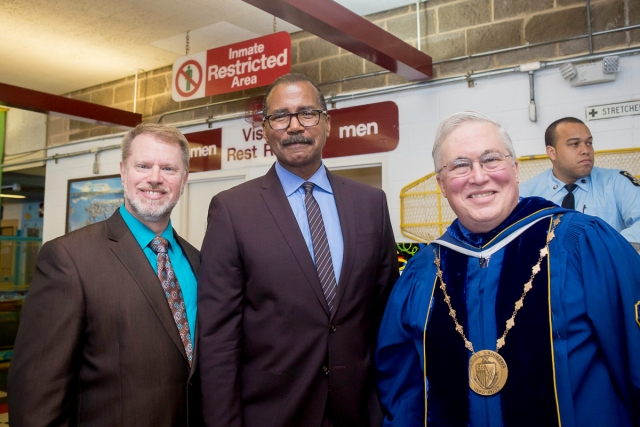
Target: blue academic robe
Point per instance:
(593, 280)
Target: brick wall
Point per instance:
(451, 31)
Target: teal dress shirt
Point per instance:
(182, 267)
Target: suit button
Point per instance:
(333, 328)
(325, 371)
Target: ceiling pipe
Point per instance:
(56, 157)
(199, 107)
(418, 24)
(340, 26)
(533, 115)
(13, 187)
(135, 89)
(473, 76)
(531, 45)
(589, 26)
(46, 103)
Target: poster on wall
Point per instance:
(91, 200)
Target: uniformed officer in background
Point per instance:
(574, 182)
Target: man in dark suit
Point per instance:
(104, 340)
(296, 270)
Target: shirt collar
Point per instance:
(142, 233)
(291, 182)
(556, 185)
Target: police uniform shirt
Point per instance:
(609, 194)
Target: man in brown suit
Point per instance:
(98, 344)
(287, 334)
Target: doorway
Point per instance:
(198, 194)
(370, 175)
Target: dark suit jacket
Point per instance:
(97, 344)
(269, 349)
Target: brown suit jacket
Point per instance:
(97, 344)
(269, 348)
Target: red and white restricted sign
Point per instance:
(245, 65)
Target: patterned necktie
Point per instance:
(324, 264)
(569, 200)
(172, 291)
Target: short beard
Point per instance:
(150, 210)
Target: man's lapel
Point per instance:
(346, 213)
(128, 251)
(277, 203)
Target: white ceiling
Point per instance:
(59, 46)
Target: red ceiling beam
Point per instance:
(27, 99)
(340, 26)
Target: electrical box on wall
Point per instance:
(592, 73)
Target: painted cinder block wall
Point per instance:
(449, 29)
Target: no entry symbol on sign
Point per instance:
(189, 77)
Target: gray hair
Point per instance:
(454, 121)
(164, 133)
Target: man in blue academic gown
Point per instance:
(522, 314)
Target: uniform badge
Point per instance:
(637, 317)
(635, 181)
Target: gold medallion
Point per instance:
(487, 372)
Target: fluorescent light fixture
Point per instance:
(13, 196)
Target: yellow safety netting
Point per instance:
(425, 214)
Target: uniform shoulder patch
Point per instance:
(635, 181)
(637, 318)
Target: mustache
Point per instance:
(296, 139)
(158, 188)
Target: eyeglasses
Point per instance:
(491, 162)
(306, 118)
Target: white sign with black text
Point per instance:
(608, 111)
